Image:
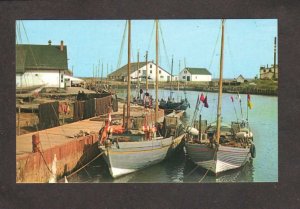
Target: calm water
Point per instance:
(263, 120)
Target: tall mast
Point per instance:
(128, 75)
(156, 77)
(274, 57)
(220, 87)
(171, 84)
(107, 73)
(146, 71)
(138, 67)
(102, 72)
(178, 77)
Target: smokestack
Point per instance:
(49, 42)
(61, 45)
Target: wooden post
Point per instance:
(128, 74)
(156, 79)
(19, 111)
(274, 57)
(138, 79)
(146, 71)
(220, 87)
(124, 115)
(200, 131)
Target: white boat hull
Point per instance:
(217, 161)
(129, 157)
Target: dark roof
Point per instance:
(40, 57)
(123, 70)
(198, 71)
(240, 76)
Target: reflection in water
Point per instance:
(175, 170)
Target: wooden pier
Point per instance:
(73, 144)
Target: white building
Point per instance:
(240, 79)
(41, 65)
(194, 74)
(267, 73)
(140, 72)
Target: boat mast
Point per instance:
(128, 75)
(138, 79)
(178, 78)
(274, 57)
(146, 71)
(171, 84)
(156, 77)
(220, 87)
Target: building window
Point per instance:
(139, 71)
(160, 72)
(150, 66)
(183, 77)
(185, 72)
(196, 77)
(150, 71)
(36, 75)
(161, 76)
(264, 71)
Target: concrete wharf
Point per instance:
(73, 144)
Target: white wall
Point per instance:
(201, 77)
(183, 75)
(162, 75)
(50, 78)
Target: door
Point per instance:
(188, 78)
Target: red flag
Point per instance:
(202, 98)
(231, 98)
(205, 102)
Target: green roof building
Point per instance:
(41, 65)
(195, 74)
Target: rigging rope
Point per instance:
(122, 46)
(151, 36)
(164, 45)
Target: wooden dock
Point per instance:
(73, 144)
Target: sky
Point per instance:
(248, 43)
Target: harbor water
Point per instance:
(263, 120)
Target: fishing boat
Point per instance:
(139, 142)
(170, 104)
(222, 147)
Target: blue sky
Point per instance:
(249, 43)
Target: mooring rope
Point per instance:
(85, 165)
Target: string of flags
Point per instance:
(249, 103)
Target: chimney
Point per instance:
(61, 45)
(49, 42)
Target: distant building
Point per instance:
(194, 74)
(266, 73)
(240, 79)
(140, 73)
(41, 65)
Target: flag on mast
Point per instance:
(205, 102)
(250, 105)
(202, 98)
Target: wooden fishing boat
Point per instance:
(222, 147)
(170, 104)
(139, 143)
